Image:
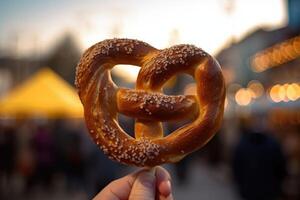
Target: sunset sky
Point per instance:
(30, 26)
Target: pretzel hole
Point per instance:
(177, 83)
(126, 123)
(172, 126)
(125, 75)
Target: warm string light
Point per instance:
(244, 96)
(256, 89)
(276, 55)
(286, 92)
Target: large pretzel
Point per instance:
(103, 100)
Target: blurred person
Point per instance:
(258, 164)
(7, 157)
(59, 138)
(25, 158)
(79, 160)
(43, 147)
(291, 144)
(146, 184)
(73, 157)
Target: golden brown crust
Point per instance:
(102, 100)
(156, 106)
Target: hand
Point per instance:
(142, 185)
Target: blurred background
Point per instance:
(45, 151)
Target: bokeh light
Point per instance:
(293, 91)
(274, 93)
(286, 92)
(276, 55)
(243, 97)
(257, 89)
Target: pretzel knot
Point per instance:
(103, 100)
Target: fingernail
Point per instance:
(168, 188)
(147, 179)
(144, 186)
(168, 183)
(162, 175)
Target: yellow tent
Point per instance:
(44, 94)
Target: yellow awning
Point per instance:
(44, 94)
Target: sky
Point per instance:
(29, 27)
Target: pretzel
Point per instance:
(103, 100)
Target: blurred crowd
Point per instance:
(39, 155)
(45, 155)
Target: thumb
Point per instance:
(144, 186)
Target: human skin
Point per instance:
(145, 184)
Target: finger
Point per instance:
(163, 182)
(144, 186)
(118, 189)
